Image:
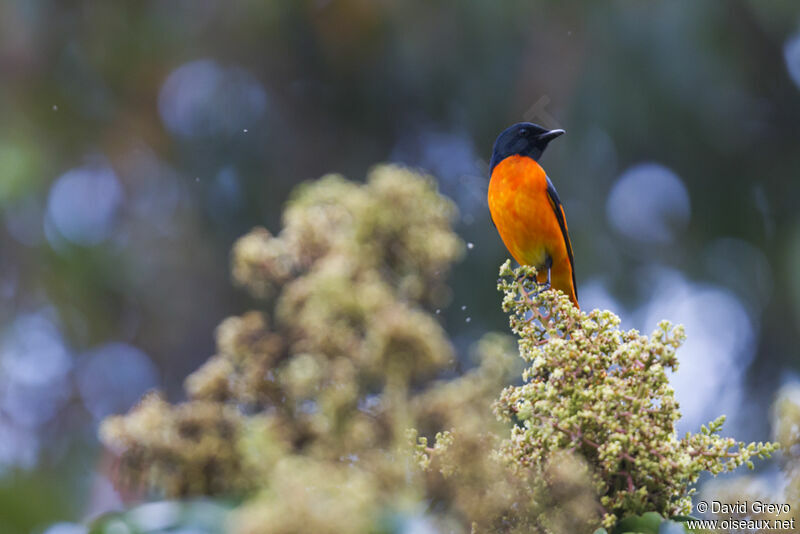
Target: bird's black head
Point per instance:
(524, 139)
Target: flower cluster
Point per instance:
(304, 410)
(186, 446)
(334, 406)
(595, 390)
(779, 489)
(786, 424)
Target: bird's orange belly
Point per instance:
(527, 232)
(523, 213)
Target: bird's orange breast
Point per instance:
(523, 212)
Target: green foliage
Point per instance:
(603, 393)
(348, 281)
(22, 495)
(305, 410)
(183, 449)
(327, 410)
(650, 523)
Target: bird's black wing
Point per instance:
(562, 222)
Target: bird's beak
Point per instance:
(549, 136)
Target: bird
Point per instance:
(526, 209)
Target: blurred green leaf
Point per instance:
(684, 518)
(19, 170)
(648, 523)
(28, 501)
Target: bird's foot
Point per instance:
(533, 279)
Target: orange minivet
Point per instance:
(526, 209)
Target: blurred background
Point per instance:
(138, 139)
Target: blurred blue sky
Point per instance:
(139, 139)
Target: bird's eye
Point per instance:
(523, 132)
